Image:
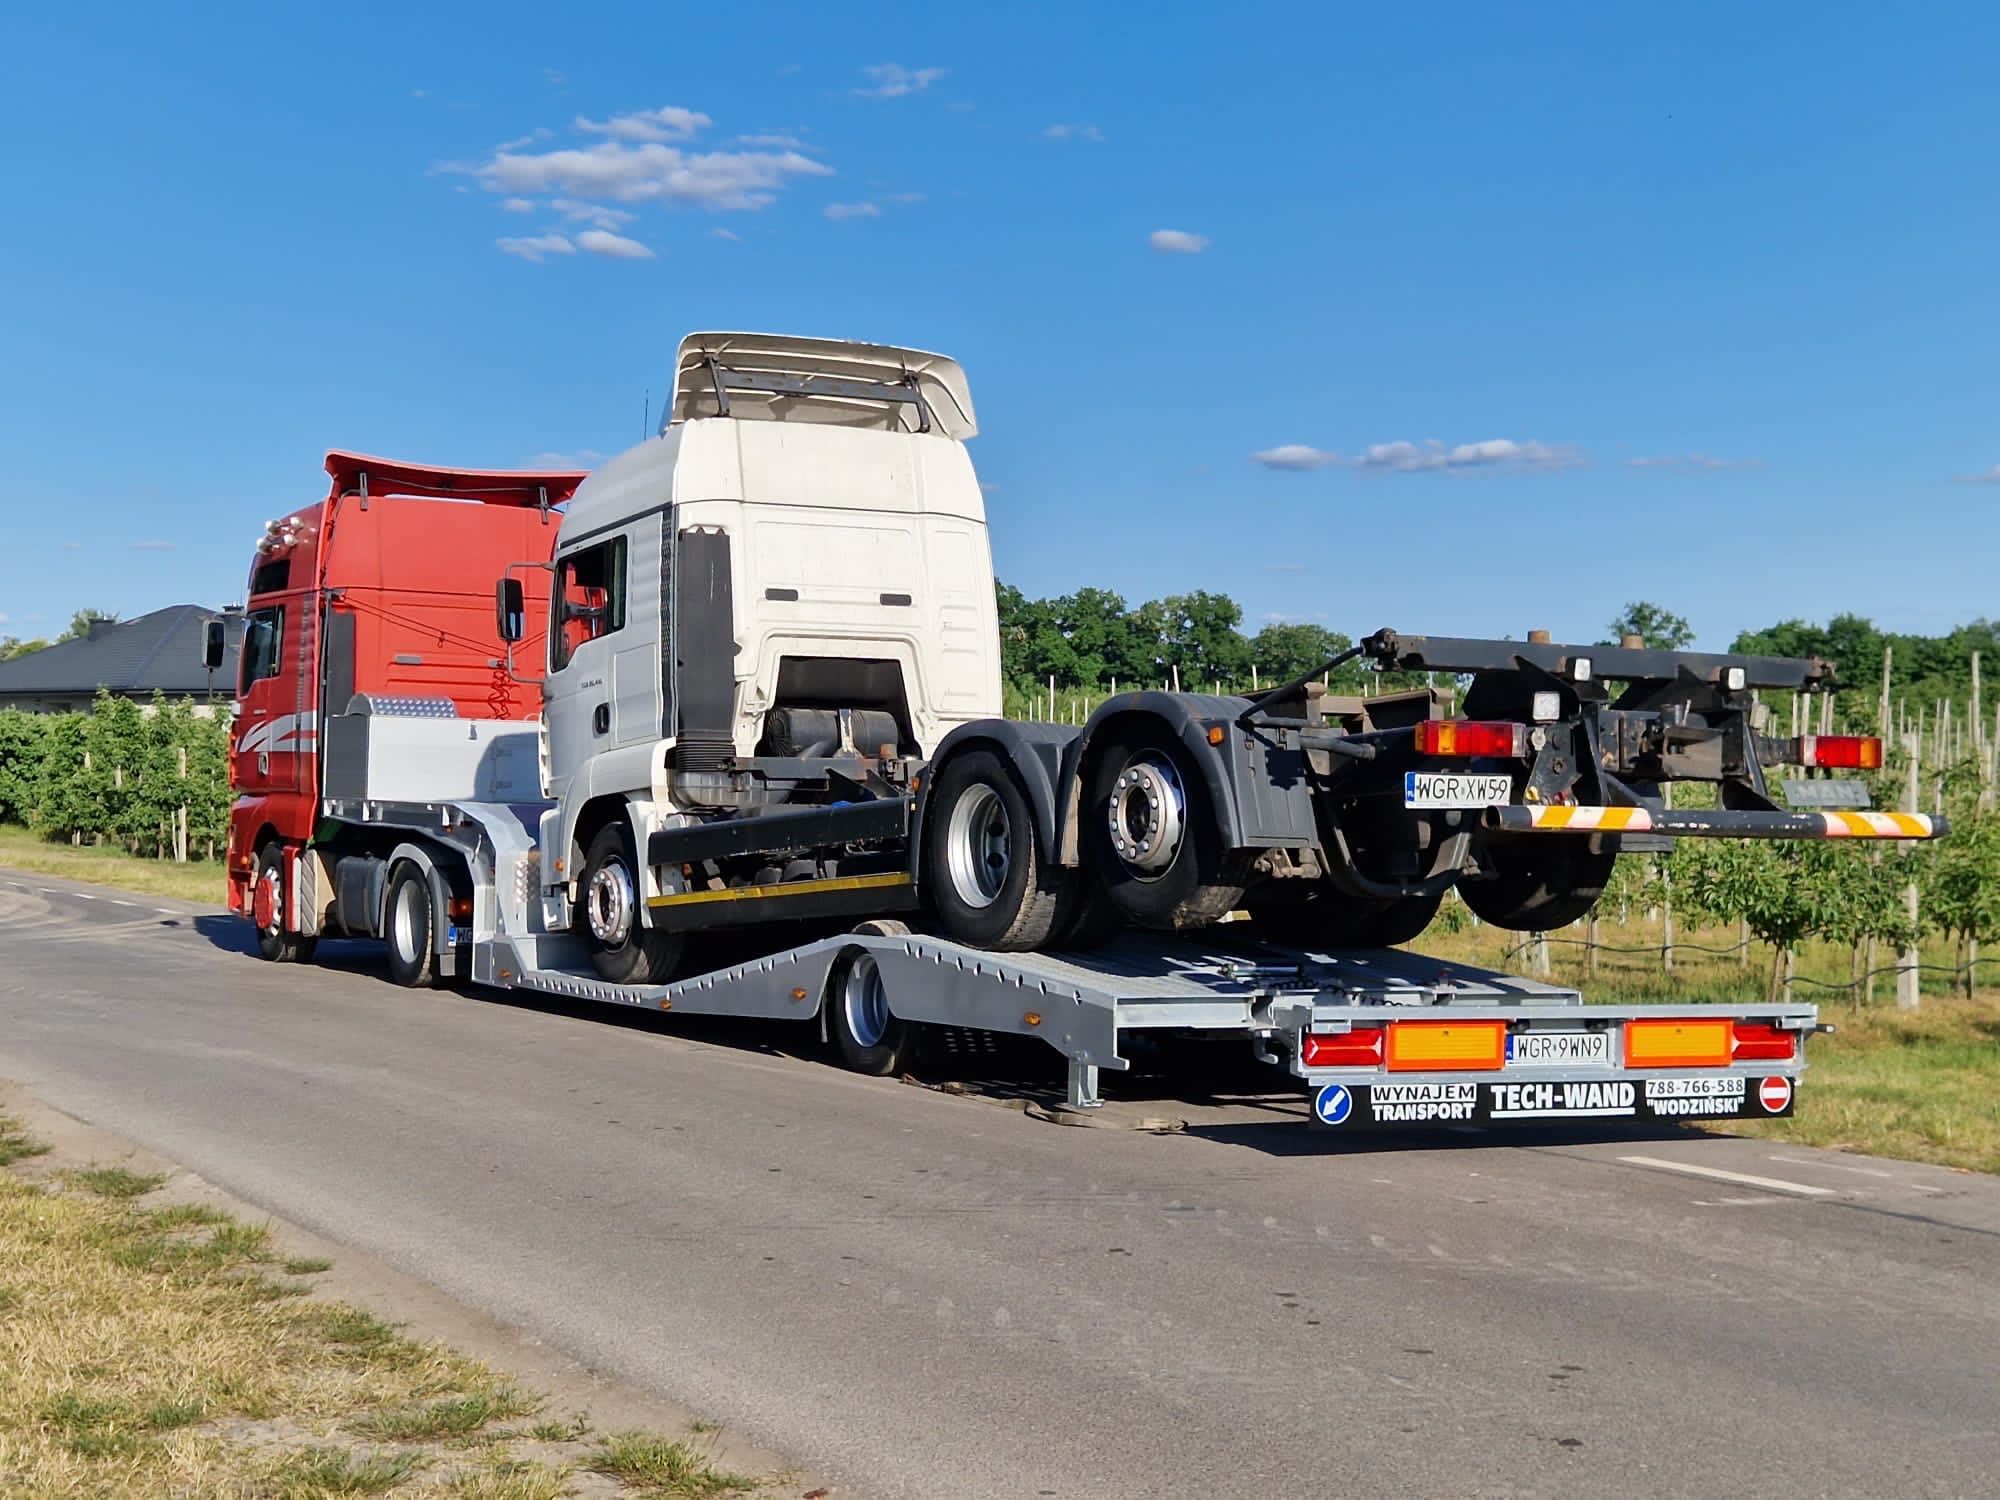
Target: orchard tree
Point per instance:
(1286, 650)
(23, 742)
(1659, 628)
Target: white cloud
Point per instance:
(776, 140)
(519, 205)
(649, 173)
(893, 80)
(1297, 456)
(1991, 476)
(719, 233)
(1692, 463)
(533, 247)
(668, 123)
(603, 242)
(539, 133)
(151, 545)
(1411, 458)
(837, 211)
(1073, 133)
(1177, 242)
(419, 93)
(906, 197)
(592, 213)
(582, 458)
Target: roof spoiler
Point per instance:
(828, 381)
(365, 475)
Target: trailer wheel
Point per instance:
(1540, 883)
(869, 1037)
(623, 949)
(991, 884)
(1326, 918)
(269, 900)
(410, 929)
(1151, 837)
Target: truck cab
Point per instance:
(369, 605)
(783, 598)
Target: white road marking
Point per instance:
(116, 902)
(1799, 1161)
(83, 895)
(1772, 1184)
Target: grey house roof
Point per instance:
(156, 652)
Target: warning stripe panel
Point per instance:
(1877, 825)
(1595, 819)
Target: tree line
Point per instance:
(154, 781)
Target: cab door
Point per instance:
(264, 758)
(588, 604)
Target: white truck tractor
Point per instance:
(773, 696)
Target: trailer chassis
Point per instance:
(1292, 1006)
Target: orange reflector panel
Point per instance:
(1428, 1046)
(1678, 1044)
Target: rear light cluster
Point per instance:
(1844, 752)
(1706, 1044)
(1469, 739)
(1481, 1046)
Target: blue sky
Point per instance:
(1461, 319)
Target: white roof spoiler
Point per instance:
(777, 377)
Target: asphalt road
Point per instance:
(926, 1295)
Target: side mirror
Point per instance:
(510, 609)
(214, 643)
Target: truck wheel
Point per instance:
(410, 929)
(1541, 883)
(1150, 836)
(990, 882)
(1326, 919)
(622, 948)
(869, 1038)
(269, 900)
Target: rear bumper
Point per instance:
(1716, 824)
(1676, 1098)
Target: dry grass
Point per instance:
(198, 880)
(154, 1352)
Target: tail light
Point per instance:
(1431, 1046)
(1360, 1048)
(1758, 1041)
(1469, 739)
(1678, 1044)
(1845, 752)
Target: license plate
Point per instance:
(1557, 1049)
(1457, 789)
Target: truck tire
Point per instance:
(1325, 919)
(990, 882)
(269, 900)
(1540, 883)
(1150, 836)
(623, 949)
(409, 928)
(868, 1036)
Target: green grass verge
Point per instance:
(1923, 1086)
(198, 880)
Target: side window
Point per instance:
(588, 601)
(263, 637)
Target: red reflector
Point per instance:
(1468, 738)
(1844, 752)
(1756, 1041)
(1342, 1049)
